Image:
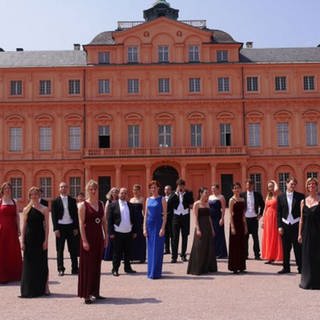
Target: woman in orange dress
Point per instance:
(271, 240)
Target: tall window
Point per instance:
(133, 136)
(16, 87)
(74, 138)
(163, 54)
(196, 135)
(312, 174)
(46, 186)
(283, 134)
(104, 137)
(45, 87)
(194, 84)
(283, 176)
(254, 134)
(280, 83)
(256, 178)
(104, 57)
(311, 134)
(194, 54)
(223, 84)
(165, 138)
(225, 134)
(164, 85)
(252, 84)
(74, 86)
(133, 54)
(15, 136)
(308, 83)
(133, 85)
(75, 186)
(222, 56)
(104, 86)
(16, 184)
(45, 138)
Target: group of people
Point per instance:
(127, 230)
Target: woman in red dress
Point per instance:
(271, 240)
(94, 238)
(10, 252)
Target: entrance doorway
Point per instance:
(166, 175)
(104, 183)
(226, 186)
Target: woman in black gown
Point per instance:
(309, 236)
(34, 238)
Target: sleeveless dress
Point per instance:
(108, 251)
(237, 242)
(10, 251)
(202, 257)
(310, 273)
(35, 259)
(90, 261)
(139, 243)
(219, 239)
(271, 240)
(155, 243)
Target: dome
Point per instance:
(103, 38)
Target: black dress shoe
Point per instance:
(173, 260)
(61, 273)
(74, 271)
(257, 258)
(283, 271)
(130, 271)
(184, 259)
(100, 297)
(268, 262)
(115, 273)
(88, 301)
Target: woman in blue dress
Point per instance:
(154, 229)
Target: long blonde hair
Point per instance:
(91, 183)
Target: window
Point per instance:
(104, 137)
(194, 54)
(133, 54)
(312, 174)
(104, 86)
(133, 136)
(164, 85)
(163, 53)
(16, 184)
(194, 85)
(311, 134)
(308, 83)
(283, 134)
(46, 187)
(75, 186)
(45, 141)
(104, 57)
(16, 88)
(45, 87)
(283, 176)
(256, 178)
(15, 137)
(74, 138)
(196, 135)
(223, 84)
(222, 56)
(165, 136)
(225, 134)
(133, 85)
(252, 83)
(280, 83)
(254, 134)
(74, 86)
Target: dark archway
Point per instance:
(166, 175)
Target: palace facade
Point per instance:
(159, 98)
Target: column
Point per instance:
(148, 175)
(243, 172)
(183, 171)
(118, 175)
(213, 174)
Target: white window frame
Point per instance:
(15, 139)
(194, 85)
(165, 135)
(133, 136)
(280, 83)
(309, 83)
(75, 186)
(16, 184)
(16, 87)
(194, 53)
(74, 138)
(223, 84)
(283, 134)
(252, 84)
(225, 133)
(104, 57)
(46, 187)
(163, 54)
(133, 54)
(164, 85)
(74, 86)
(196, 134)
(222, 56)
(45, 138)
(311, 133)
(254, 130)
(104, 86)
(133, 86)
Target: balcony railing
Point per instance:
(163, 151)
(124, 25)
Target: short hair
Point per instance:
(154, 183)
(201, 191)
(236, 184)
(310, 180)
(293, 179)
(215, 185)
(136, 186)
(5, 184)
(180, 182)
(34, 189)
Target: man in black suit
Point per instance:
(168, 233)
(64, 212)
(289, 203)
(122, 230)
(181, 202)
(254, 210)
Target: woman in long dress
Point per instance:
(34, 243)
(139, 243)
(10, 252)
(94, 237)
(309, 236)
(202, 257)
(154, 229)
(271, 239)
(238, 231)
(217, 204)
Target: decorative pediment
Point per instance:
(73, 118)
(282, 115)
(225, 116)
(254, 116)
(44, 118)
(311, 115)
(132, 116)
(103, 117)
(196, 116)
(15, 118)
(164, 116)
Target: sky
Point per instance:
(58, 24)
